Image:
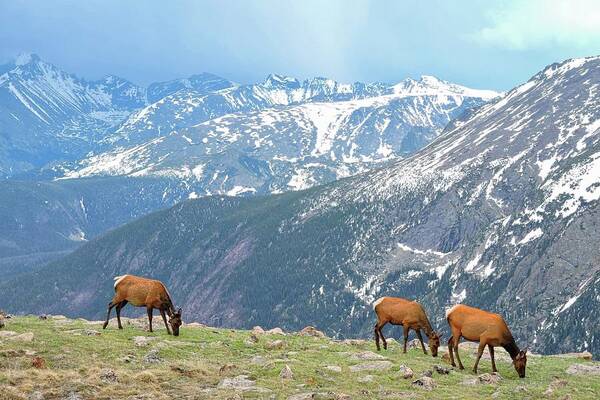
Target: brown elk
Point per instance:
(143, 292)
(486, 328)
(410, 315)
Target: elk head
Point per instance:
(434, 342)
(520, 362)
(175, 322)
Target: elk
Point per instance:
(143, 292)
(410, 315)
(486, 328)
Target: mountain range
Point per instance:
(92, 155)
(499, 211)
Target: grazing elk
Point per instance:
(410, 315)
(486, 328)
(143, 292)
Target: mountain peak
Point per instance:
(429, 85)
(276, 80)
(26, 58)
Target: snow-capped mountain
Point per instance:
(48, 115)
(289, 135)
(200, 83)
(499, 212)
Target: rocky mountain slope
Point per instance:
(48, 115)
(49, 358)
(281, 134)
(42, 221)
(500, 212)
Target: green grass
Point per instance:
(192, 367)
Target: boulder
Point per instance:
(258, 360)
(107, 375)
(406, 372)
(366, 379)
(428, 373)
(7, 334)
(286, 373)
(334, 368)
(257, 330)
(372, 366)
(240, 382)
(424, 382)
(152, 357)
(366, 355)
(275, 331)
(490, 379)
(584, 369)
(311, 331)
(275, 345)
(441, 370)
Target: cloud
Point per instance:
(541, 24)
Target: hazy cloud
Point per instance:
(531, 24)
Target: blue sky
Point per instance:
(482, 44)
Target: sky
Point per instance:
(482, 44)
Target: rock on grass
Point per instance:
(242, 383)
(275, 345)
(583, 369)
(311, 331)
(286, 373)
(441, 370)
(152, 357)
(424, 382)
(108, 375)
(406, 372)
(366, 355)
(372, 366)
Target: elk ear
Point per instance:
(179, 311)
(525, 350)
(441, 334)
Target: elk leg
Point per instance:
(491, 349)
(421, 340)
(376, 330)
(119, 307)
(450, 352)
(406, 329)
(110, 307)
(149, 309)
(164, 317)
(381, 325)
(479, 354)
(456, 340)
